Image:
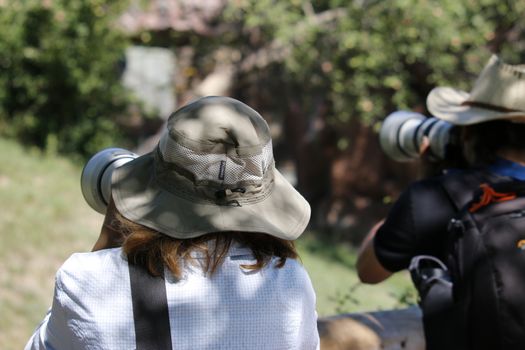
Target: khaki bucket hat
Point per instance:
(498, 93)
(212, 171)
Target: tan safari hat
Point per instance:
(498, 93)
(212, 171)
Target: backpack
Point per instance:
(474, 299)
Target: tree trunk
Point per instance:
(385, 330)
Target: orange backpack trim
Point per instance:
(490, 196)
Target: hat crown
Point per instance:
(500, 85)
(213, 171)
(218, 122)
(218, 140)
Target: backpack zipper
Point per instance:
(517, 214)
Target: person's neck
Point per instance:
(513, 155)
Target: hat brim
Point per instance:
(447, 103)
(284, 213)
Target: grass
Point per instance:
(332, 270)
(44, 219)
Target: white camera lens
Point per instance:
(95, 180)
(403, 132)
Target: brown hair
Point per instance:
(155, 250)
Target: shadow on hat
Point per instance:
(498, 94)
(212, 171)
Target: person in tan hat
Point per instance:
(196, 250)
(490, 119)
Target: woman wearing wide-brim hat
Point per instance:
(491, 123)
(197, 248)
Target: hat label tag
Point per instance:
(222, 169)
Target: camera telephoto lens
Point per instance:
(403, 132)
(398, 135)
(95, 180)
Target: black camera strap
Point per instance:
(150, 309)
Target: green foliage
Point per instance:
(59, 87)
(371, 57)
(352, 298)
(331, 268)
(44, 219)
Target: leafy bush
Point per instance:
(60, 85)
(369, 57)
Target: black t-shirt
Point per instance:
(417, 222)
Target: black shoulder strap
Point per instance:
(150, 310)
(463, 187)
(460, 187)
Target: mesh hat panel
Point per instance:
(224, 168)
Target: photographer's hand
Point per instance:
(112, 234)
(429, 166)
(424, 147)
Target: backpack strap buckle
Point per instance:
(433, 282)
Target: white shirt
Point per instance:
(233, 309)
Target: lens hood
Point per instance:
(398, 135)
(95, 180)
